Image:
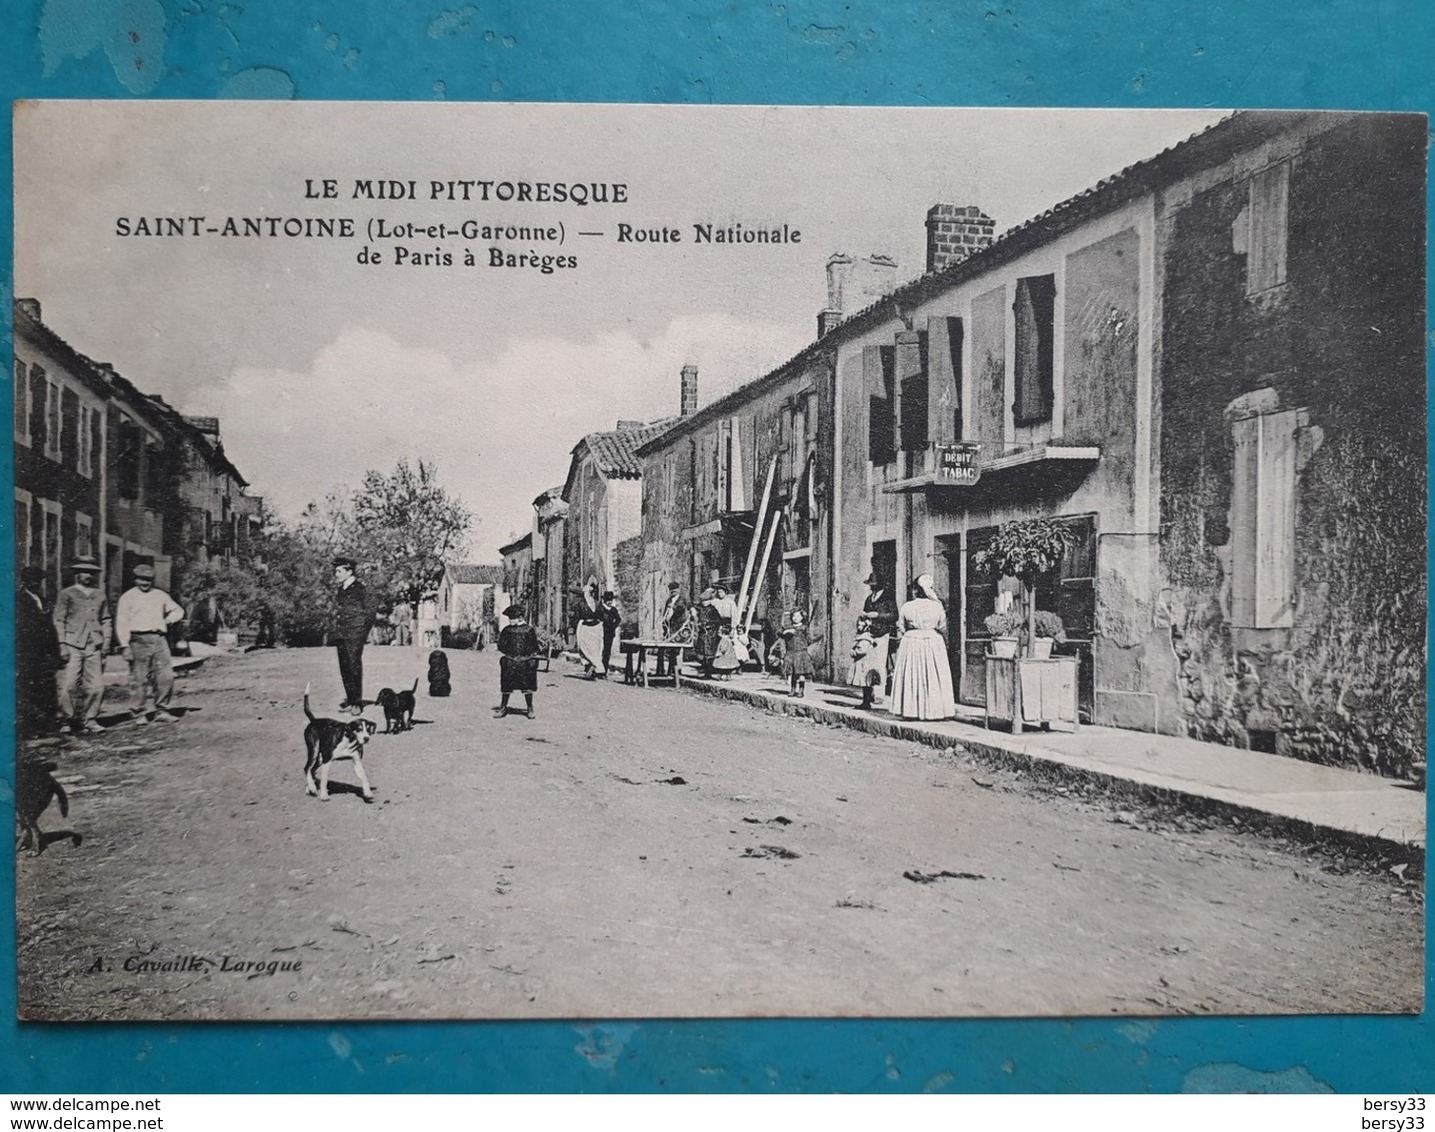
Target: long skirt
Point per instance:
(727, 659)
(590, 645)
(871, 670)
(922, 677)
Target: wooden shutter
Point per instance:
(1263, 521)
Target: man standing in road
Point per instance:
(143, 616)
(349, 630)
(82, 622)
(37, 657)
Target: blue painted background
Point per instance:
(1358, 54)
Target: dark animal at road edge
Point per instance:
(398, 707)
(440, 683)
(328, 739)
(35, 788)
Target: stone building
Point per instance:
(603, 493)
(704, 483)
(1209, 367)
(550, 519)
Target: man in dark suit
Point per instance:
(349, 630)
(37, 656)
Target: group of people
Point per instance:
(60, 651)
(919, 675)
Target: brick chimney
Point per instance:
(854, 285)
(954, 231)
(688, 395)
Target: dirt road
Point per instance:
(649, 853)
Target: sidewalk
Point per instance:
(1375, 815)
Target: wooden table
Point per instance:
(667, 656)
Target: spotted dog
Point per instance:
(328, 739)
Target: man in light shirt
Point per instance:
(143, 616)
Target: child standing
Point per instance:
(796, 660)
(518, 662)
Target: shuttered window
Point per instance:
(1266, 243)
(1263, 521)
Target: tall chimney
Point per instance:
(688, 398)
(854, 285)
(954, 231)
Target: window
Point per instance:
(22, 404)
(53, 440)
(914, 412)
(84, 536)
(23, 543)
(1266, 238)
(50, 539)
(85, 440)
(1035, 310)
(1263, 490)
(127, 460)
(880, 364)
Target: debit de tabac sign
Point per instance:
(959, 465)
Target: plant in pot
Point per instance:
(1049, 629)
(1005, 629)
(1025, 549)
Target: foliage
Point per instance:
(1048, 624)
(402, 527)
(1006, 624)
(549, 642)
(1024, 548)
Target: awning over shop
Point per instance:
(1029, 472)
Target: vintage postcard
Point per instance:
(582, 561)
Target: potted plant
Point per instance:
(1024, 549)
(1005, 629)
(1049, 629)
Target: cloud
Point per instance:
(500, 426)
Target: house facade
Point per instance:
(550, 520)
(470, 597)
(105, 470)
(60, 406)
(603, 494)
(741, 488)
(518, 573)
(1209, 368)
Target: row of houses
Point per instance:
(106, 471)
(1209, 367)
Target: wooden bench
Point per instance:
(667, 656)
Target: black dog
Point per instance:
(398, 708)
(439, 682)
(328, 739)
(35, 789)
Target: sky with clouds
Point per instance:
(320, 367)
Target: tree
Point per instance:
(405, 527)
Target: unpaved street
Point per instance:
(650, 853)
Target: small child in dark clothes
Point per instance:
(796, 660)
(518, 662)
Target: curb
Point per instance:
(1370, 848)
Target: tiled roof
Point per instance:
(616, 453)
(467, 574)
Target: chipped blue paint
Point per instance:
(258, 82)
(1101, 52)
(603, 1044)
(1239, 1079)
(131, 32)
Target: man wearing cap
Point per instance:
(82, 622)
(37, 657)
(675, 612)
(143, 616)
(349, 630)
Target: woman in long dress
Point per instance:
(589, 632)
(725, 660)
(922, 675)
